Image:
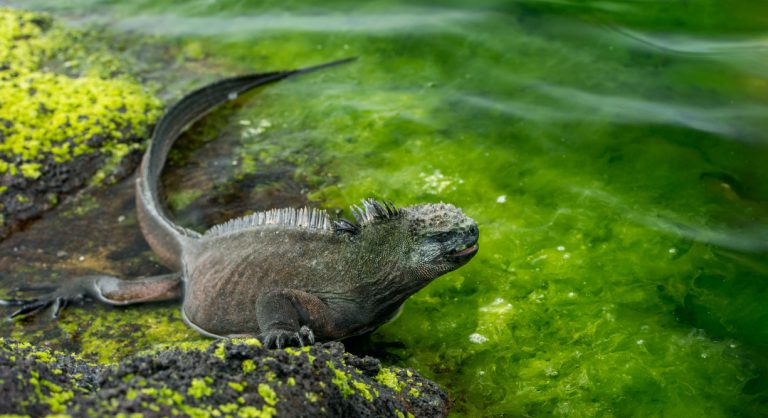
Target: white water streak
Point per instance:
(750, 238)
(577, 105)
(421, 20)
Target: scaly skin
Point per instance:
(287, 276)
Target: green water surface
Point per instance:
(613, 153)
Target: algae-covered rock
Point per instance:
(68, 115)
(224, 378)
(36, 381)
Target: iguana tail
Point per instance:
(164, 236)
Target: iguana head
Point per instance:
(442, 238)
(426, 240)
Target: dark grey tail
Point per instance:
(161, 232)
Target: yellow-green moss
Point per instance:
(123, 415)
(44, 356)
(253, 412)
(269, 395)
(349, 385)
(237, 386)
(247, 341)
(364, 389)
(248, 366)
(199, 388)
(228, 408)
(388, 378)
(220, 352)
(48, 116)
(300, 351)
(56, 398)
(108, 335)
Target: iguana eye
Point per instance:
(442, 237)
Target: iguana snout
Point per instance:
(445, 237)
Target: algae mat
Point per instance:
(612, 153)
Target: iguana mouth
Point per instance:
(466, 252)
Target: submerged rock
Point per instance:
(226, 378)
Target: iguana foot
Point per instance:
(283, 338)
(57, 297)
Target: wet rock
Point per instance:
(69, 116)
(36, 381)
(226, 378)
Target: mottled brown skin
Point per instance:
(285, 280)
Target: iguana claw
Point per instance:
(30, 307)
(306, 332)
(58, 297)
(13, 302)
(284, 338)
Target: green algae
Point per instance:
(52, 117)
(269, 395)
(199, 388)
(237, 386)
(48, 377)
(72, 112)
(181, 199)
(248, 366)
(350, 384)
(621, 269)
(341, 380)
(389, 379)
(253, 412)
(220, 353)
(107, 335)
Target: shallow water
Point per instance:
(613, 154)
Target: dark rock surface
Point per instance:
(228, 378)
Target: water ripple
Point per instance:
(749, 238)
(572, 105)
(692, 45)
(420, 20)
(744, 53)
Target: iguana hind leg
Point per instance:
(109, 290)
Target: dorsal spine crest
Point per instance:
(312, 219)
(305, 218)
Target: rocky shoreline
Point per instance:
(224, 378)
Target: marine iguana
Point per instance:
(287, 276)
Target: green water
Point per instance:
(613, 154)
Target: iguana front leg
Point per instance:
(291, 317)
(105, 289)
